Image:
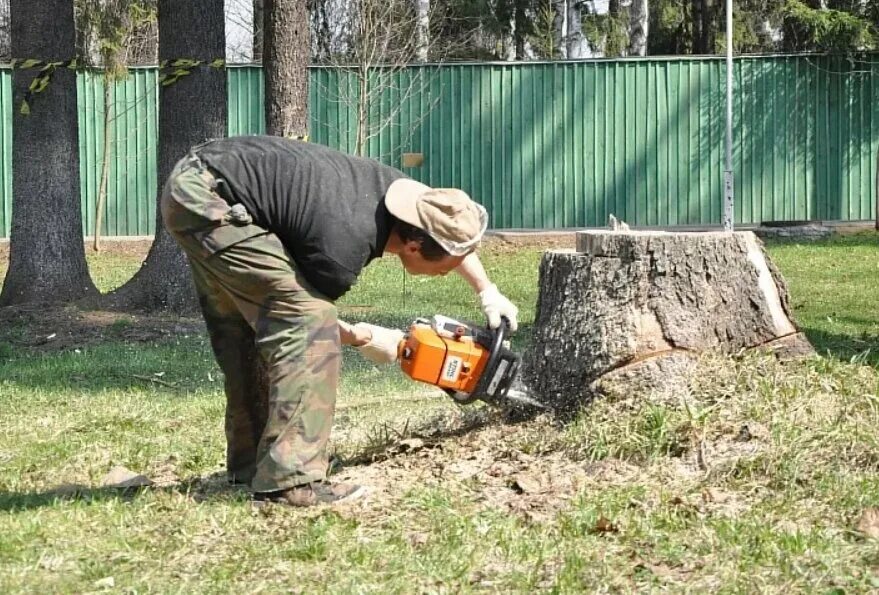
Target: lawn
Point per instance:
(757, 480)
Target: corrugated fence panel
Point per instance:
(246, 105)
(131, 181)
(543, 145)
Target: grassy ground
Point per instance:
(755, 480)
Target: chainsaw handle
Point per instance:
(499, 333)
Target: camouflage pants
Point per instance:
(275, 338)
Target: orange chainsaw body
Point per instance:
(453, 362)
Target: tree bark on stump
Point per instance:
(631, 311)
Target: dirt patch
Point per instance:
(55, 328)
(517, 468)
(115, 247)
(125, 248)
(488, 464)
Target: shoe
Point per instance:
(311, 494)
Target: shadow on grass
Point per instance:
(201, 489)
(862, 349)
(867, 238)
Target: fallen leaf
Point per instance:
(108, 582)
(120, 477)
(869, 522)
(523, 483)
(604, 525)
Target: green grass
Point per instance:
(636, 495)
(833, 289)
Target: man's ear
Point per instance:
(412, 247)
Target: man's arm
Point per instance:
(375, 343)
(494, 304)
(473, 272)
(352, 335)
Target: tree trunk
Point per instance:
(191, 111)
(704, 26)
(508, 42)
(285, 63)
(639, 22)
(422, 29)
(258, 29)
(620, 18)
(522, 26)
(631, 311)
(5, 42)
(88, 43)
(107, 143)
(697, 10)
(559, 29)
(362, 109)
(320, 27)
(576, 41)
(47, 255)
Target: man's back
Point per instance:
(325, 206)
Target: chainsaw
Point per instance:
(468, 362)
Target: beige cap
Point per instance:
(448, 215)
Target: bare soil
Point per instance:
(56, 328)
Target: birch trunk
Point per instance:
(559, 29)
(576, 41)
(422, 30)
(639, 24)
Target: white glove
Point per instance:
(382, 347)
(495, 305)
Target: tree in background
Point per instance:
(830, 26)
(191, 110)
(5, 48)
(47, 257)
(114, 34)
(374, 41)
(286, 54)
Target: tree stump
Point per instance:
(632, 310)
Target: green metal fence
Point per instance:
(547, 145)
